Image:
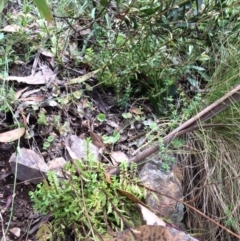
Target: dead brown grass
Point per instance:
(211, 176)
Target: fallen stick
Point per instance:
(194, 123)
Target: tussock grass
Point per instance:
(211, 170)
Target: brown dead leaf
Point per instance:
(131, 197)
(108, 178)
(12, 135)
(31, 80)
(118, 157)
(36, 98)
(41, 77)
(135, 110)
(84, 103)
(155, 233)
(24, 118)
(20, 92)
(113, 124)
(28, 165)
(97, 140)
(31, 92)
(79, 148)
(11, 28)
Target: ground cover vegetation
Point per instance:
(142, 60)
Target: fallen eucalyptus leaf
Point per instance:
(41, 77)
(31, 80)
(131, 197)
(11, 28)
(50, 102)
(19, 93)
(36, 98)
(97, 140)
(12, 135)
(77, 148)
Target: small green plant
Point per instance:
(42, 119)
(167, 160)
(84, 202)
(101, 117)
(230, 221)
(127, 115)
(7, 99)
(48, 142)
(111, 139)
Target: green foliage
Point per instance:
(127, 115)
(166, 159)
(48, 142)
(156, 44)
(2, 4)
(44, 9)
(111, 139)
(7, 98)
(101, 117)
(41, 5)
(177, 143)
(42, 119)
(148, 47)
(230, 221)
(84, 200)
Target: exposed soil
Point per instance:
(22, 216)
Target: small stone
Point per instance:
(28, 166)
(15, 231)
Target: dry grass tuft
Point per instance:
(211, 166)
(211, 176)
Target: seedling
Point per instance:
(48, 142)
(101, 117)
(111, 139)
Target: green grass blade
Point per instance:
(44, 9)
(2, 4)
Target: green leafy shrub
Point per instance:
(153, 46)
(84, 202)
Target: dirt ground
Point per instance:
(22, 216)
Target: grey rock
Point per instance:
(163, 182)
(27, 165)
